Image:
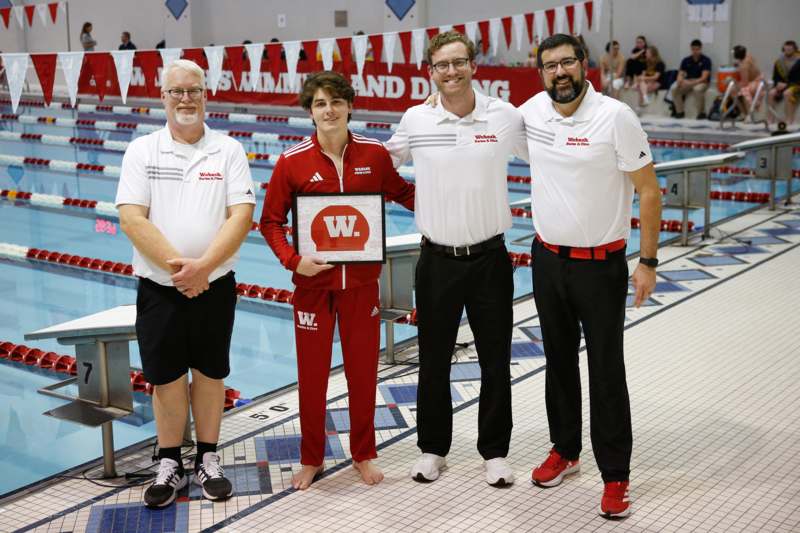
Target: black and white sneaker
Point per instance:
(169, 480)
(210, 476)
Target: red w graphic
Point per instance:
(340, 228)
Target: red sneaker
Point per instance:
(615, 502)
(552, 471)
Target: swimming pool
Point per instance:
(262, 352)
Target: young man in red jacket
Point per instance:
(334, 160)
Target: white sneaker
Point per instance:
(498, 473)
(427, 467)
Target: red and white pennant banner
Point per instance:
(26, 13)
(524, 29)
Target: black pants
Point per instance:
(574, 293)
(445, 285)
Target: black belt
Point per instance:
(463, 251)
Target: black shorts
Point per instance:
(177, 333)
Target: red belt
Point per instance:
(575, 252)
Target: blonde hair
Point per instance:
(185, 65)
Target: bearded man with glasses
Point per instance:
(588, 153)
(185, 201)
(460, 151)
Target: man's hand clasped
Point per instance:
(190, 277)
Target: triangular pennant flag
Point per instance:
(529, 25)
(45, 65)
(292, 49)
(123, 64)
(148, 61)
(460, 28)
(274, 57)
(539, 19)
(471, 29)
(6, 14)
(445, 27)
(310, 48)
(214, 56)
(389, 42)
(377, 46)
(196, 55)
(345, 51)
(254, 53)
(484, 27)
(168, 55)
(19, 13)
(551, 19)
(405, 44)
(561, 19)
(519, 30)
(588, 6)
(577, 19)
(494, 34)
(360, 52)
(29, 10)
(418, 37)
(506, 21)
(16, 68)
(98, 64)
(235, 62)
(432, 32)
(570, 13)
(41, 10)
(71, 63)
(326, 51)
(53, 8)
(598, 11)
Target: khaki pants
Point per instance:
(679, 94)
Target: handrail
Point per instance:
(764, 142)
(698, 163)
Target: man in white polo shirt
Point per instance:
(460, 151)
(186, 202)
(588, 153)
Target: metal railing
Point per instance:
(773, 160)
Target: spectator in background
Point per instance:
(161, 44)
(693, 76)
(612, 66)
(650, 79)
(786, 76)
(749, 75)
(87, 41)
(481, 58)
(126, 43)
(636, 62)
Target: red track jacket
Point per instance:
(367, 167)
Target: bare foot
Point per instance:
(305, 477)
(370, 473)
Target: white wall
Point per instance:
(760, 25)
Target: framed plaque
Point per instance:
(340, 227)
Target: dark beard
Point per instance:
(568, 95)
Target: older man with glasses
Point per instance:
(186, 202)
(460, 151)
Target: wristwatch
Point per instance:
(651, 262)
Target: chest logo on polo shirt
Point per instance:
(485, 139)
(340, 228)
(362, 170)
(577, 141)
(209, 176)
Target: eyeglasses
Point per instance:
(194, 93)
(552, 66)
(443, 66)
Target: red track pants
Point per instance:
(315, 315)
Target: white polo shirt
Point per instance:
(460, 168)
(187, 198)
(580, 193)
